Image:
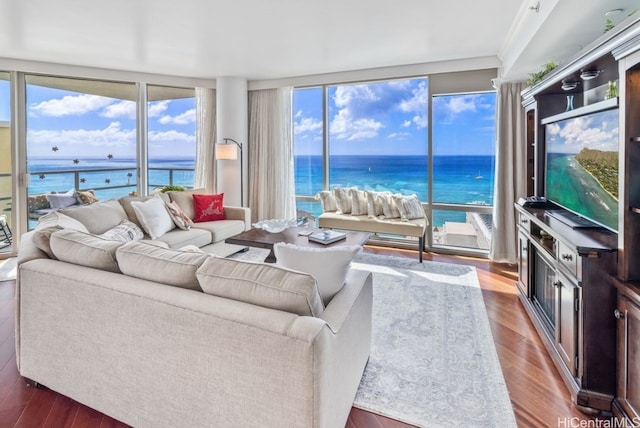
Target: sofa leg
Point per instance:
(33, 383)
(420, 247)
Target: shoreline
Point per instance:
(615, 198)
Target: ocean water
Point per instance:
(59, 175)
(456, 179)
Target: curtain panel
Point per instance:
(205, 173)
(510, 177)
(271, 177)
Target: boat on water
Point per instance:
(479, 177)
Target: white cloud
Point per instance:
(398, 135)
(346, 95)
(70, 105)
(582, 132)
(185, 118)
(171, 137)
(111, 136)
(157, 108)
(124, 108)
(345, 127)
(406, 124)
(417, 105)
(306, 124)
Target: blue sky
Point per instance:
(390, 118)
(92, 126)
(597, 131)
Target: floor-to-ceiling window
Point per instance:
(5, 165)
(376, 136)
(82, 136)
(171, 136)
(463, 169)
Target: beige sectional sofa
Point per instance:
(158, 337)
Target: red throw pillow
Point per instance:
(208, 208)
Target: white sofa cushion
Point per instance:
(329, 266)
(163, 265)
(343, 199)
(261, 284)
(178, 238)
(98, 217)
(374, 203)
(389, 208)
(153, 216)
(56, 218)
(84, 249)
(358, 202)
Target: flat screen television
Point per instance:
(582, 166)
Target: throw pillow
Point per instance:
(178, 216)
(389, 208)
(329, 266)
(124, 232)
(56, 218)
(83, 249)
(37, 202)
(358, 202)
(327, 200)
(62, 200)
(374, 203)
(164, 265)
(184, 199)
(208, 207)
(261, 284)
(98, 217)
(153, 217)
(343, 199)
(409, 206)
(42, 239)
(86, 197)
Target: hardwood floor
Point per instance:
(537, 393)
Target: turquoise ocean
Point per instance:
(456, 179)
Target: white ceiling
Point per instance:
(261, 39)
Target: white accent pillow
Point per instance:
(153, 216)
(343, 199)
(389, 208)
(358, 202)
(327, 200)
(409, 206)
(329, 266)
(124, 232)
(374, 203)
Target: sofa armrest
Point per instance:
(239, 213)
(357, 285)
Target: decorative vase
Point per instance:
(569, 103)
(612, 90)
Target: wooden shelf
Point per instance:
(580, 111)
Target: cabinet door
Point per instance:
(523, 264)
(567, 321)
(629, 356)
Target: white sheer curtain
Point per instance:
(511, 167)
(271, 185)
(205, 139)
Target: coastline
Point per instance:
(615, 197)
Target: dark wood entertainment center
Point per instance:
(580, 283)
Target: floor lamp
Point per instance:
(226, 151)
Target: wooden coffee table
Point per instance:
(262, 239)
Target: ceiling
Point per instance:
(260, 39)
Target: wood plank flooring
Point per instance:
(537, 393)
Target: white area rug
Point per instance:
(8, 269)
(433, 362)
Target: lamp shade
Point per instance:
(226, 152)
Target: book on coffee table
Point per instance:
(327, 237)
